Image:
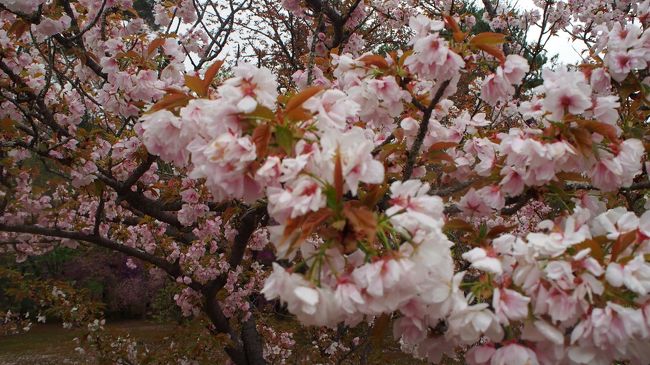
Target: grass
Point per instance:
(50, 344)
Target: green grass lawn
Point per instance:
(50, 344)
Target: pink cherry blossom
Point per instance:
(480, 259)
(249, 87)
(509, 305)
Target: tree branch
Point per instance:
(422, 132)
(248, 224)
(94, 239)
(139, 171)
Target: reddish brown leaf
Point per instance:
(374, 194)
(211, 73)
(261, 138)
(487, 38)
(171, 90)
(153, 46)
(459, 36)
(170, 101)
(388, 150)
(229, 213)
(298, 229)
(458, 224)
(306, 223)
(454, 28)
(494, 51)
(291, 226)
(605, 130)
(440, 156)
(7, 125)
(497, 230)
(404, 57)
(132, 11)
(298, 99)
(442, 146)
(362, 219)
(299, 114)
(570, 176)
(622, 243)
(582, 139)
(294, 109)
(18, 28)
(375, 60)
(195, 84)
(596, 245)
(261, 112)
(338, 176)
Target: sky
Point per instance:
(561, 44)
(568, 52)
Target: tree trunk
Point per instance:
(253, 346)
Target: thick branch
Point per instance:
(94, 239)
(253, 346)
(138, 172)
(583, 186)
(321, 6)
(140, 202)
(489, 8)
(239, 354)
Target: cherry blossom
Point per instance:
(362, 164)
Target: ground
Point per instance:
(50, 344)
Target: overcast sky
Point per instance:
(567, 51)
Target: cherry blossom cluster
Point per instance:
(441, 180)
(572, 301)
(210, 134)
(279, 347)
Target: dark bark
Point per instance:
(253, 346)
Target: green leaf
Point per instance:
(482, 231)
(332, 199)
(284, 138)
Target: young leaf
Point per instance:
(596, 246)
(298, 99)
(18, 28)
(338, 176)
(374, 194)
(261, 113)
(211, 73)
(153, 46)
(604, 129)
(375, 60)
(497, 230)
(170, 101)
(362, 219)
(622, 243)
(494, 51)
(439, 146)
(454, 28)
(458, 225)
(195, 84)
(284, 138)
(261, 138)
(488, 39)
(300, 228)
